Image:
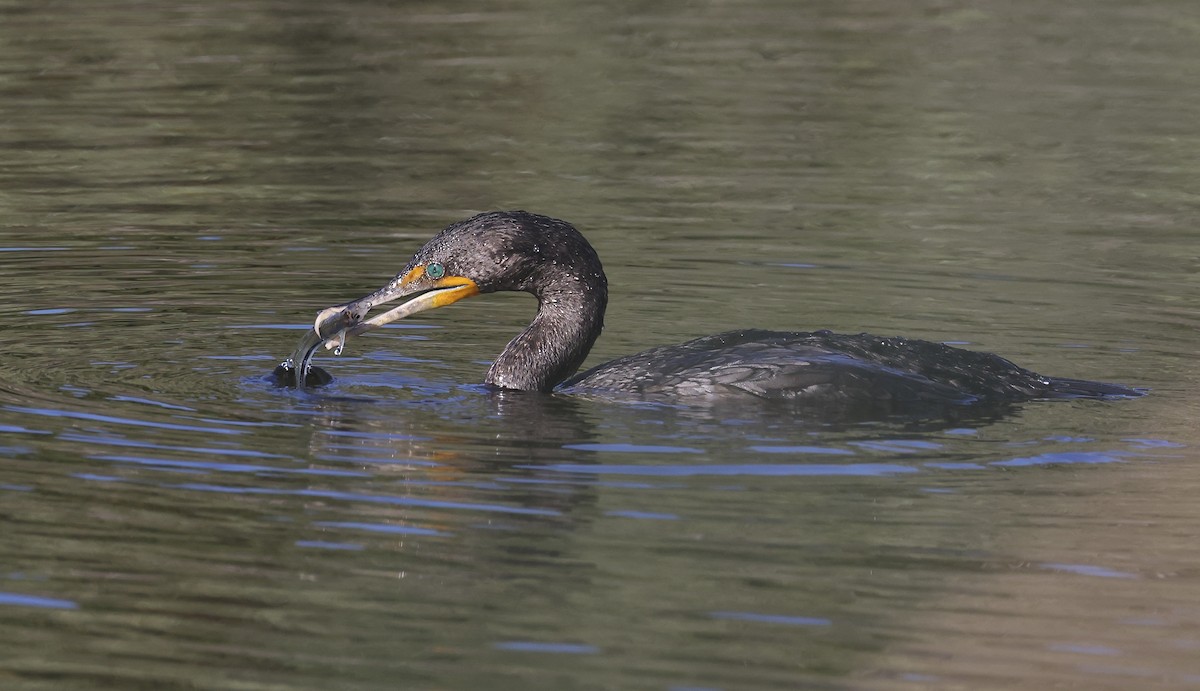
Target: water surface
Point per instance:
(183, 186)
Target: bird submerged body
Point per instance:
(827, 369)
(549, 258)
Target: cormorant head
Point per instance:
(493, 251)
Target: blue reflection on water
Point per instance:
(54, 310)
(1089, 570)
(22, 600)
(826, 450)
(149, 401)
(632, 448)
(134, 443)
(93, 417)
(1067, 457)
(97, 478)
(381, 528)
(782, 469)
(898, 445)
(1155, 443)
(772, 618)
(645, 515)
(360, 434)
(17, 429)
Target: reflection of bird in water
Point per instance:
(549, 258)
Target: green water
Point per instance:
(184, 185)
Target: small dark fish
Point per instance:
(297, 371)
(341, 321)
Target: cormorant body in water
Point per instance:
(549, 258)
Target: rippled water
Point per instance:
(183, 186)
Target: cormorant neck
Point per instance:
(570, 317)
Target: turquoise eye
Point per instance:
(435, 270)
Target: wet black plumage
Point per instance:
(520, 251)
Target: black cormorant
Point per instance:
(549, 258)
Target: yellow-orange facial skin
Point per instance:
(466, 288)
(428, 294)
(348, 319)
(413, 274)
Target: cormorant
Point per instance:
(521, 251)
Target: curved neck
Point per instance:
(569, 319)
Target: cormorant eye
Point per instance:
(435, 270)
